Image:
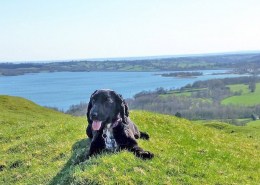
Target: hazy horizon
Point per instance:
(76, 30)
(129, 58)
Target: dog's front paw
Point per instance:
(145, 155)
(144, 135)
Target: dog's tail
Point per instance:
(144, 135)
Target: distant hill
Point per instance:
(40, 146)
(242, 62)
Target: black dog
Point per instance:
(109, 125)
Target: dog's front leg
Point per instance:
(89, 131)
(139, 152)
(126, 140)
(97, 144)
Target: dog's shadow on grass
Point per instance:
(65, 175)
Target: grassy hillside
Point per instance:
(246, 98)
(35, 141)
(251, 130)
(40, 146)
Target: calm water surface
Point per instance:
(62, 89)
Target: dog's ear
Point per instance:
(88, 112)
(89, 107)
(123, 108)
(126, 108)
(124, 104)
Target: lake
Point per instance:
(62, 89)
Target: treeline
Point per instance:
(78, 110)
(241, 63)
(222, 82)
(203, 102)
(195, 109)
(183, 107)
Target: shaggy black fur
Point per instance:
(108, 106)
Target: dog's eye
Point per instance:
(109, 100)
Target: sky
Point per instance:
(36, 30)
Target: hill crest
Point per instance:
(40, 146)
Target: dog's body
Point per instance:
(110, 127)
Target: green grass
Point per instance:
(187, 92)
(182, 94)
(40, 146)
(246, 98)
(254, 123)
(239, 87)
(35, 142)
(251, 130)
(175, 93)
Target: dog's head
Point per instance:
(106, 106)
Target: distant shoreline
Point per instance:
(182, 74)
(193, 63)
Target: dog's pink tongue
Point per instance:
(96, 125)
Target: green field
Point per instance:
(251, 130)
(41, 146)
(176, 93)
(187, 92)
(246, 98)
(254, 124)
(239, 88)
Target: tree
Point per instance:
(252, 84)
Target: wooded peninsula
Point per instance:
(239, 63)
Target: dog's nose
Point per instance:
(94, 115)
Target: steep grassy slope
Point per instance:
(40, 146)
(35, 142)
